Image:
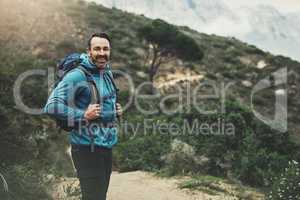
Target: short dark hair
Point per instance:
(100, 35)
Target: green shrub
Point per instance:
(141, 153)
(286, 186)
(255, 152)
(25, 183)
(254, 50)
(258, 166)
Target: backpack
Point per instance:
(67, 64)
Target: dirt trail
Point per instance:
(144, 186)
(140, 185)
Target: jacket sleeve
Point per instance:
(61, 103)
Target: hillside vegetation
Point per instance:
(36, 34)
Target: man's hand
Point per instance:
(92, 112)
(119, 110)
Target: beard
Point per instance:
(100, 61)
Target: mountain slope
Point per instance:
(263, 26)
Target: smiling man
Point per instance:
(99, 50)
(91, 144)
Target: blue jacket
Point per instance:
(74, 86)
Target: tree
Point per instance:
(165, 43)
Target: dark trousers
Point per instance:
(93, 170)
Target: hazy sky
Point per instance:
(281, 5)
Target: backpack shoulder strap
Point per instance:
(92, 85)
(113, 81)
(95, 98)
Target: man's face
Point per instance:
(99, 51)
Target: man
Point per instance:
(93, 166)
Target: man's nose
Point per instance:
(101, 52)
